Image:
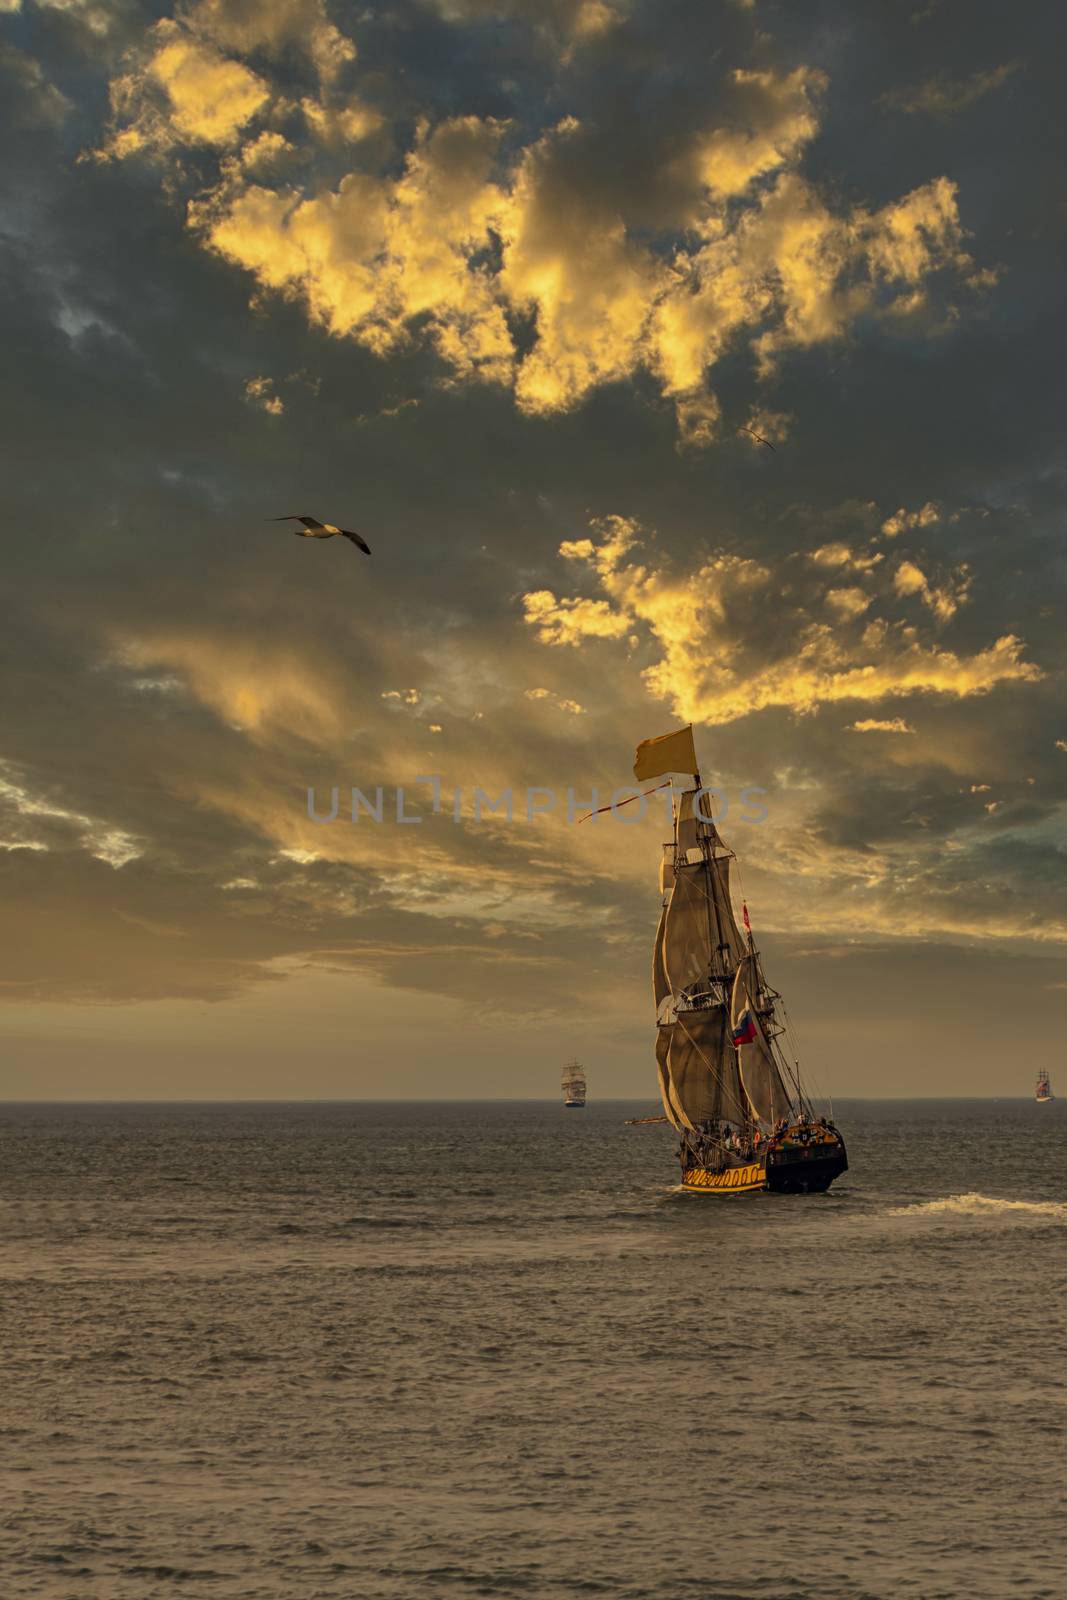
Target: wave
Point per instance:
(983, 1205)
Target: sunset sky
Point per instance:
(498, 283)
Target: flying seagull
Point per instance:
(757, 436)
(314, 529)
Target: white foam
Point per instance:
(981, 1205)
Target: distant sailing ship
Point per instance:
(1043, 1091)
(744, 1120)
(574, 1087)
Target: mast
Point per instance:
(712, 931)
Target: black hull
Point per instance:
(813, 1175)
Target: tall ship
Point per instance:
(574, 1088)
(1043, 1091)
(744, 1119)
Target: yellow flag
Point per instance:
(671, 752)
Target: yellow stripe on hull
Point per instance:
(735, 1180)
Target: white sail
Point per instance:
(760, 1075)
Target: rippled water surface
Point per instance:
(371, 1352)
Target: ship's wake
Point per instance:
(984, 1205)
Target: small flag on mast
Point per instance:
(670, 752)
(744, 914)
(745, 1029)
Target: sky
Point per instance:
(501, 284)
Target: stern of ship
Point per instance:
(805, 1159)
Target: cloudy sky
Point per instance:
(501, 283)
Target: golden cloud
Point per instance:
(903, 519)
(873, 725)
(373, 255)
(944, 599)
(343, 124)
(185, 84)
(211, 97)
(259, 392)
(850, 602)
(591, 287)
(185, 92)
(471, 234)
(731, 641)
(839, 554)
(246, 25)
(777, 118)
(551, 698)
(253, 687)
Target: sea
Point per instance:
(431, 1352)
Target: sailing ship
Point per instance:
(1043, 1092)
(574, 1086)
(744, 1119)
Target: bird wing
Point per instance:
(309, 522)
(355, 538)
(758, 437)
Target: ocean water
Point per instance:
(415, 1352)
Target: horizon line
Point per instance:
(459, 1100)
